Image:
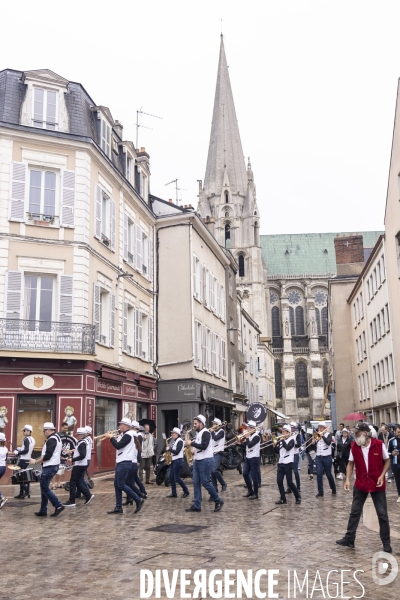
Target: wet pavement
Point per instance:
(85, 553)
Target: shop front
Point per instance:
(76, 392)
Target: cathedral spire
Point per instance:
(225, 151)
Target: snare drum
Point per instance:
(25, 475)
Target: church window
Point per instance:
(291, 319)
(301, 380)
(227, 235)
(241, 265)
(227, 214)
(278, 380)
(276, 326)
(299, 320)
(324, 320)
(226, 197)
(318, 319)
(325, 374)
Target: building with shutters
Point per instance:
(76, 262)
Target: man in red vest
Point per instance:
(371, 459)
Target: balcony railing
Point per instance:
(304, 350)
(46, 336)
(277, 350)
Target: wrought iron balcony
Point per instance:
(46, 336)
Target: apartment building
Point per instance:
(76, 262)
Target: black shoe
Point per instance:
(345, 542)
(185, 494)
(58, 510)
(193, 509)
(281, 501)
(40, 514)
(387, 548)
(248, 494)
(88, 500)
(253, 497)
(319, 495)
(210, 499)
(19, 497)
(172, 496)
(333, 492)
(143, 495)
(288, 491)
(218, 506)
(298, 500)
(128, 502)
(115, 511)
(69, 504)
(224, 486)
(139, 505)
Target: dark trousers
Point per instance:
(296, 470)
(201, 477)
(175, 476)
(396, 473)
(379, 500)
(145, 464)
(310, 465)
(2, 471)
(251, 469)
(47, 495)
(25, 487)
(324, 464)
(286, 470)
(133, 480)
(216, 475)
(78, 481)
(121, 474)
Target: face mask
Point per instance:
(360, 440)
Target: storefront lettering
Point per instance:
(110, 388)
(130, 390)
(185, 388)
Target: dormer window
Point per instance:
(105, 137)
(44, 108)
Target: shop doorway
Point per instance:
(34, 410)
(106, 419)
(170, 420)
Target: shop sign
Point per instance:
(109, 387)
(38, 382)
(187, 389)
(130, 390)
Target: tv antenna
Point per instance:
(175, 181)
(141, 112)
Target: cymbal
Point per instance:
(14, 467)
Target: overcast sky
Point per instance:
(314, 84)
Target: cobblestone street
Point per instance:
(87, 553)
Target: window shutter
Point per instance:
(201, 282)
(14, 286)
(112, 225)
(150, 268)
(139, 246)
(150, 346)
(136, 349)
(112, 320)
(194, 277)
(66, 298)
(140, 330)
(99, 195)
(96, 311)
(125, 328)
(17, 191)
(204, 348)
(196, 343)
(68, 199)
(125, 237)
(223, 305)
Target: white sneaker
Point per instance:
(390, 480)
(2, 501)
(398, 499)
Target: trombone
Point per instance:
(239, 438)
(216, 427)
(274, 440)
(104, 436)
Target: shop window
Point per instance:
(35, 410)
(106, 416)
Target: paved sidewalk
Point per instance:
(85, 553)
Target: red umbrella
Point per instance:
(354, 417)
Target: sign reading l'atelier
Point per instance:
(38, 382)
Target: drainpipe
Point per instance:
(391, 336)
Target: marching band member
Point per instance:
(252, 461)
(285, 448)
(79, 461)
(176, 449)
(25, 453)
(3, 457)
(89, 448)
(50, 458)
(203, 464)
(133, 481)
(125, 447)
(323, 460)
(218, 438)
(296, 457)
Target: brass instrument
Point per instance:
(274, 440)
(167, 454)
(216, 427)
(239, 438)
(102, 437)
(318, 436)
(188, 451)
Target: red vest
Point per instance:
(366, 482)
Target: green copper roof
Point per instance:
(305, 253)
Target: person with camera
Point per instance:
(394, 450)
(343, 452)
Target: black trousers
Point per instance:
(396, 473)
(286, 470)
(78, 481)
(379, 500)
(24, 488)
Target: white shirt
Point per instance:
(286, 456)
(208, 452)
(365, 449)
(3, 456)
(323, 449)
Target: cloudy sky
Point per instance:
(314, 83)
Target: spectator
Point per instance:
(338, 433)
(343, 452)
(147, 454)
(385, 436)
(394, 449)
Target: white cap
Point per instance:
(125, 421)
(29, 427)
(48, 425)
(201, 419)
(88, 429)
(293, 424)
(346, 430)
(217, 421)
(135, 424)
(176, 430)
(322, 424)
(2, 437)
(251, 424)
(287, 428)
(81, 431)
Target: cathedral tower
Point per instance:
(227, 199)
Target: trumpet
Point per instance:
(216, 427)
(104, 436)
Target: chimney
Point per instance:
(349, 250)
(118, 127)
(170, 200)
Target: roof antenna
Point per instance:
(222, 33)
(138, 124)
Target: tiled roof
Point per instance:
(305, 253)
